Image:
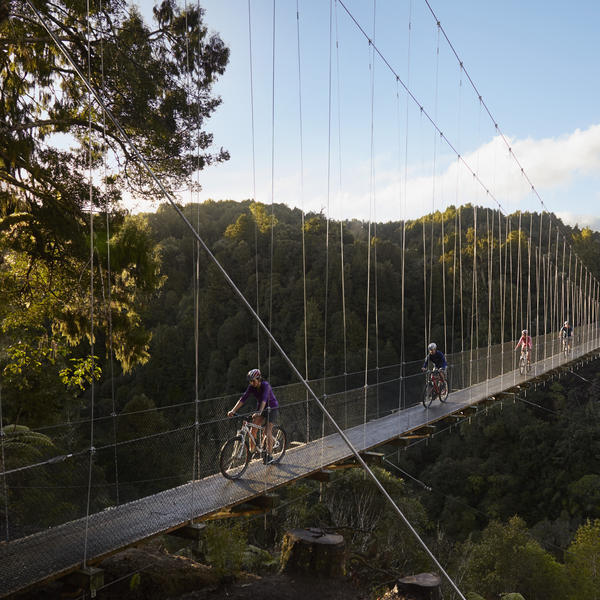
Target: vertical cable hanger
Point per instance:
(342, 264)
(91, 214)
(375, 240)
(474, 313)
(253, 145)
(326, 274)
(272, 189)
(306, 374)
(529, 291)
(433, 192)
(371, 192)
(490, 283)
(403, 213)
(109, 276)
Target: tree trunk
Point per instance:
(313, 552)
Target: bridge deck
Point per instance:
(60, 550)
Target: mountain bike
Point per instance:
(566, 344)
(524, 364)
(436, 386)
(235, 453)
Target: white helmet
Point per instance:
(432, 346)
(566, 323)
(524, 332)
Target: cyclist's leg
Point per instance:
(255, 432)
(272, 418)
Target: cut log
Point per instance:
(313, 552)
(423, 586)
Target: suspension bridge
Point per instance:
(68, 511)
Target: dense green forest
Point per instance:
(524, 476)
(106, 315)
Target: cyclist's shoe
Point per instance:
(268, 459)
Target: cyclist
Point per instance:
(437, 358)
(526, 345)
(566, 333)
(267, 408)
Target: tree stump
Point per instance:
(423, 585)
(313, 552)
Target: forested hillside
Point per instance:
(267, 265)
(523, 476)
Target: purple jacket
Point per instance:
(263, 392)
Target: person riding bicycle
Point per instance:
(437, 358)
(267, 407)
(566, 333)
(526, 345)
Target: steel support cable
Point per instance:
(375, 240)
(453, 323)
(433, 193)
(538, 279)
(370, 224)
(562, 290)
(253, 138)
(529, 239)
(326, 298)
(90, 200)
(549, 280)
(502, 292)
(490, 282)
(342, 263)
(109, 278)
(557, 313)
(404, 192)
(272, 186)
(519, 291)
(457, 214)
(304, 303)
(473, 328)
(460, 283)
(196, 284)
(426, 330)
(512, 312)
(240, 295)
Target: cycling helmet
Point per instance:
(524, 332)
(253, 374)
(432, 346)
(566, 323)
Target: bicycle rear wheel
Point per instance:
(427, 395)
(442, 390)
(234, 457)
(279, 443)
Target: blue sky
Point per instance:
(368, 151)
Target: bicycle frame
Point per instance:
(435, 377)
(246, 430)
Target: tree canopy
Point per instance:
(64, 168)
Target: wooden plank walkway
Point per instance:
(60, 550)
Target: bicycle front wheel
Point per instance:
(279, 443)
(234, 457)
(522, 365)
(427, 395)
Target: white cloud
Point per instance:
(560, 168)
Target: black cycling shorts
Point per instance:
(271, 415)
